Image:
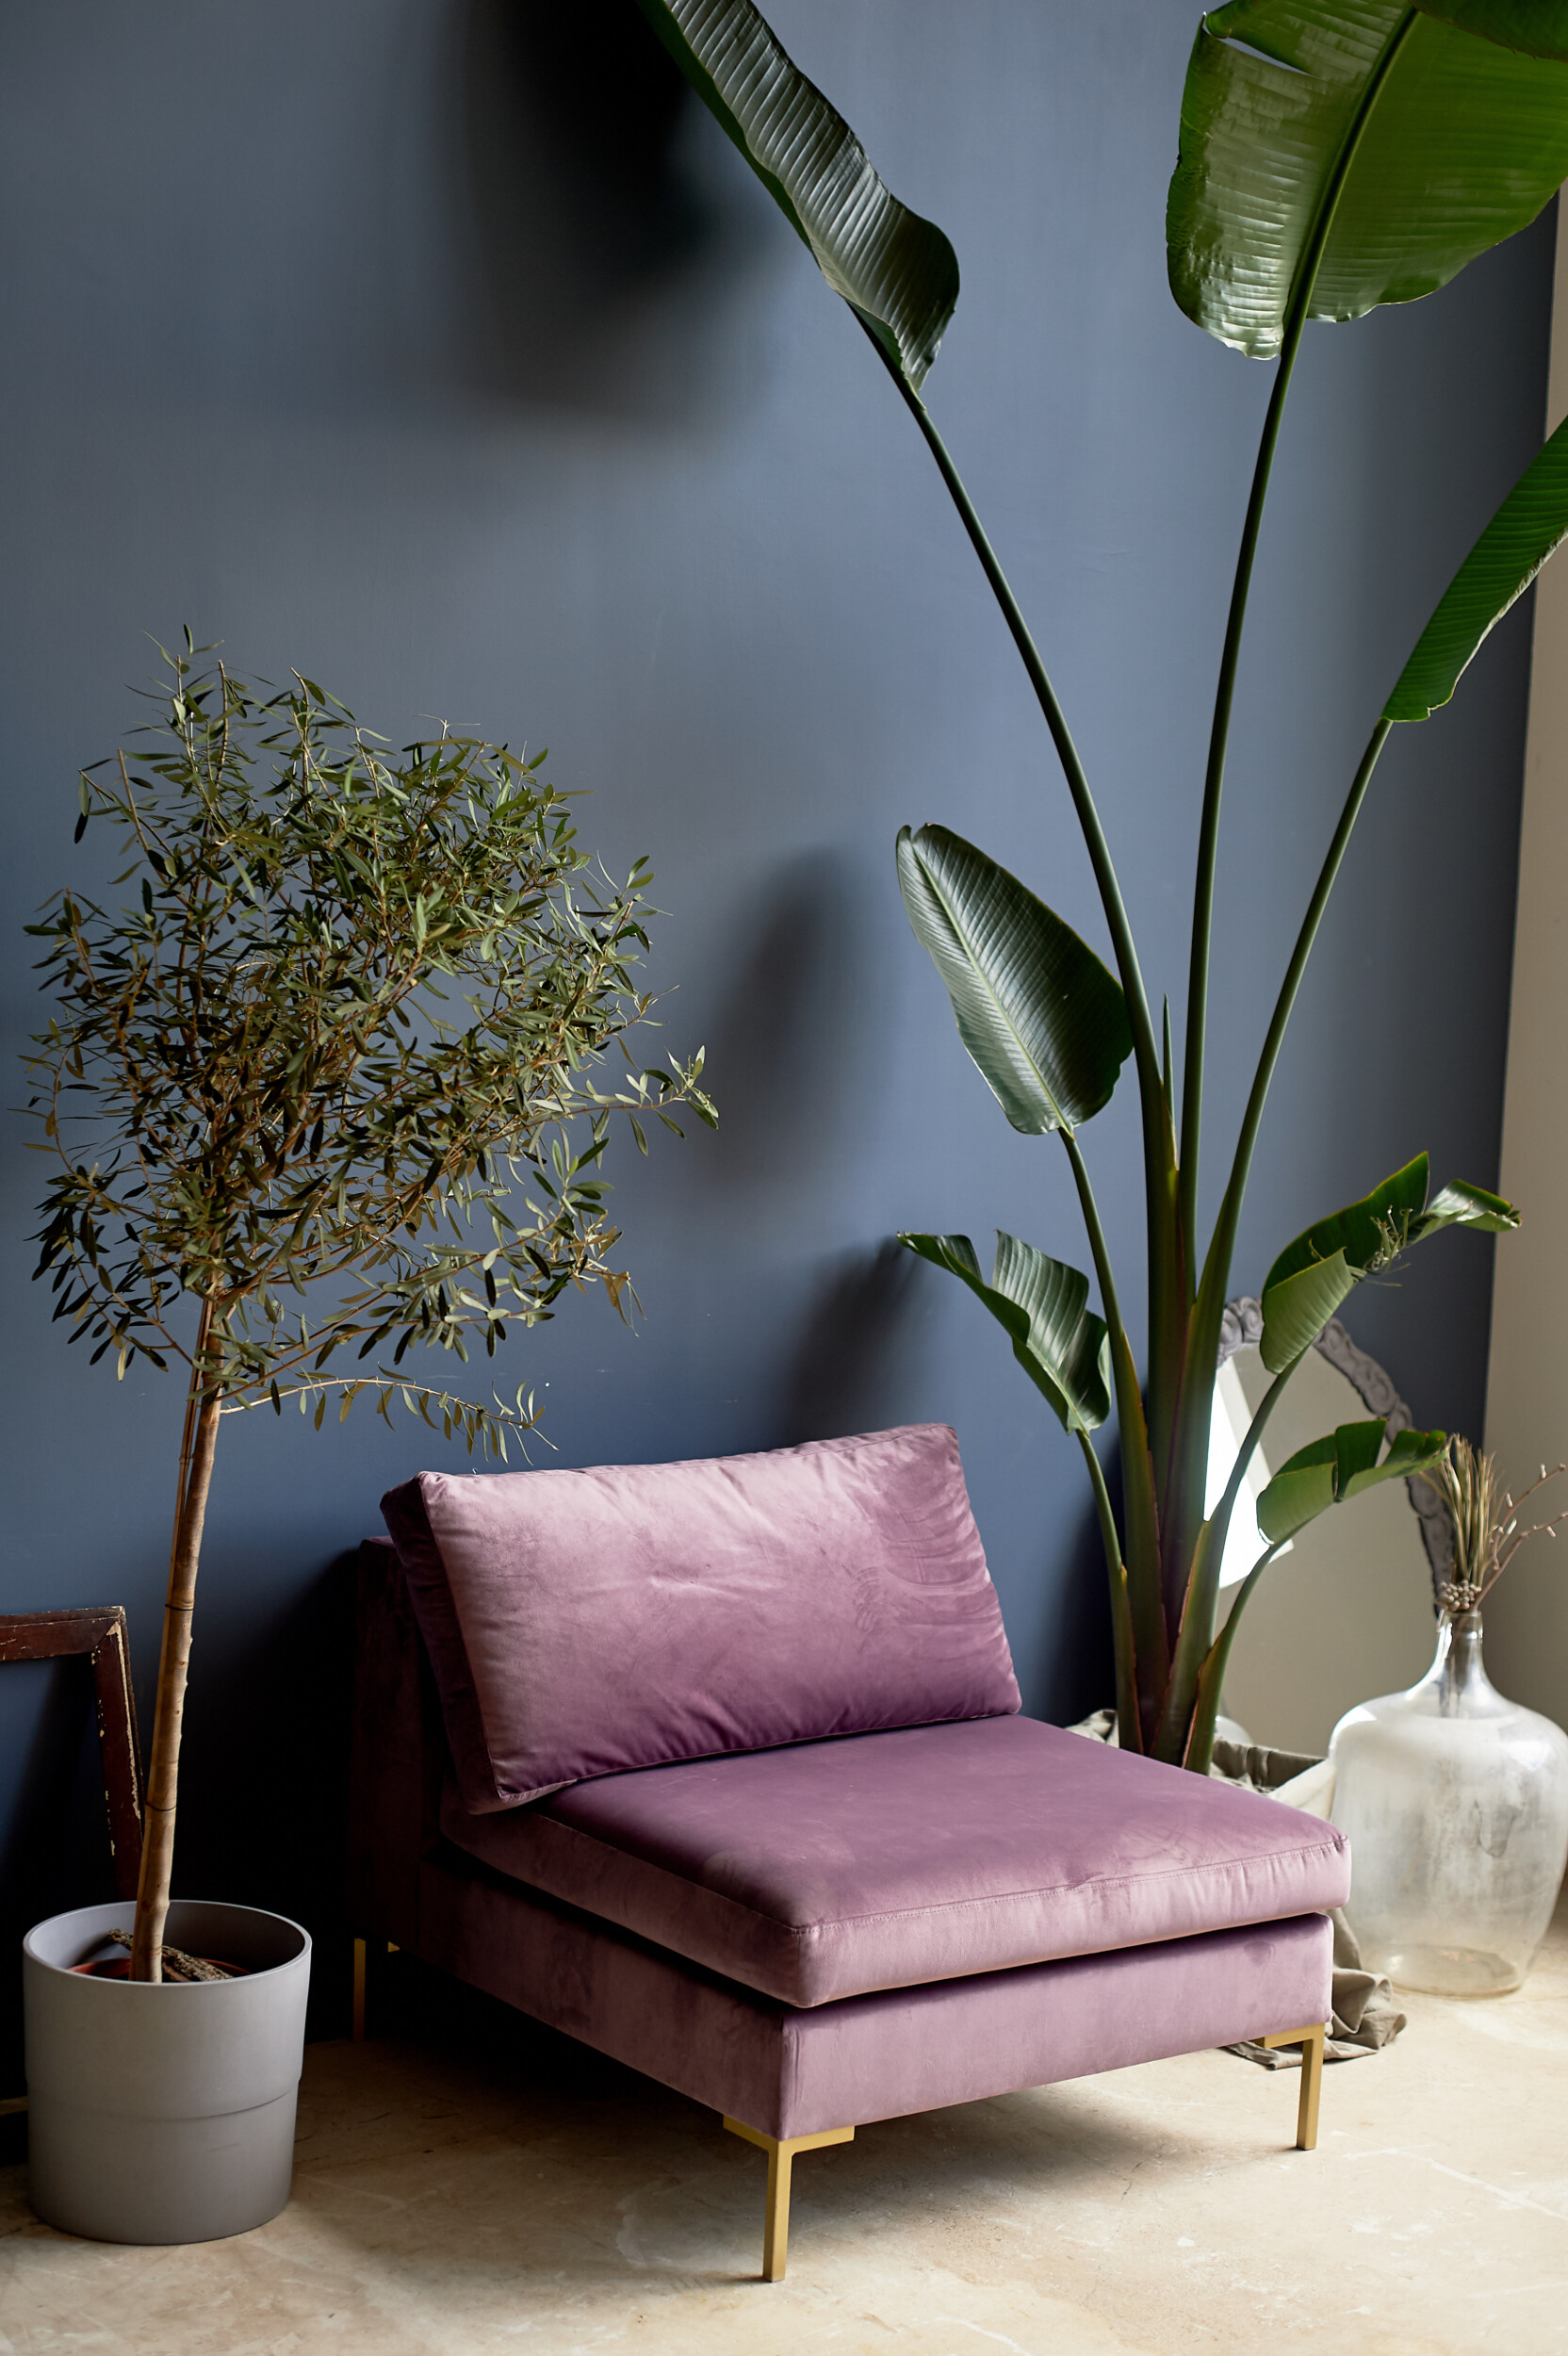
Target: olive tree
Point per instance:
(325, 1096)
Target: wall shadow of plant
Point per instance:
(276, 1695)
(786, 1052)
(56, 1853)
(593, 249)
(846, 1364)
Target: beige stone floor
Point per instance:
(1157, 2211)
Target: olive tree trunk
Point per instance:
(163, 1769)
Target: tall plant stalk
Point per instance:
(1283, 115)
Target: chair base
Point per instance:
(781, 2153)
(1310, 2042)
(900, 2028)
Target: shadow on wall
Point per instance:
(785, 1054)
(57, 1854)
(857, 1333)
(585, 228)
(264, 1769)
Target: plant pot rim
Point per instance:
(93, 1937)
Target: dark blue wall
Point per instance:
(353, 337)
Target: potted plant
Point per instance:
(321, 1096)
(1331, 158)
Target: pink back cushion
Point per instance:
(581, 1622)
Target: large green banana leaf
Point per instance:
(1057, 1340)
(1538, 27)
(1466, 142)
(897, 273)
(1325, 1263)
(1041, 1015)
(1331, 1471)
(1530, 523)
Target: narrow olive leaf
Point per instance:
(1463, 144)
(1042, 1018)
(1042, 1306)
(897, 273)
(1330, 1471)
(1531, 522)
(1538, 28)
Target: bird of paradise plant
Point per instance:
(1333, 155)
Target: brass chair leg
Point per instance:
(781, 2154)
(359, 1986)
(1310, 2042)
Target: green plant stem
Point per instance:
(1129, 1732)
(1217, 1268)
(1220, 1518)
(1195, 1635)
(1072, 768)
(1208, 837)
(1098, 1247)
(1199, 1749)
(1136, 1567)
(1168, 1283)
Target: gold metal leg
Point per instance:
(359, 1986)
(359, 1991)
(1310, 2042)
(781, 2154)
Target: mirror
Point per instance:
(1347, 1611)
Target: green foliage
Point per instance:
(1333, 154)
(1537, 28)
(1530, 525)
(1330, 1472)
(1043, 1019)
(898, 274)
(1466, 143)
(1043, 1308)
(1312, 1275)
(331, 1071)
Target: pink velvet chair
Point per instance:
(719, 1767)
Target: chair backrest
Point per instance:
(582, 1623)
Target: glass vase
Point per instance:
(1456, 1804)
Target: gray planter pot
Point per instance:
(166, 2113)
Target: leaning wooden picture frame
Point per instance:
(99, 1633)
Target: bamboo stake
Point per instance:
(163, 1769)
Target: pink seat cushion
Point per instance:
(892, 1859)
(583, 1623)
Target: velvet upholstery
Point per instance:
(792, 2072)
(783, 2069)
(883, 1860)
(726, 1605)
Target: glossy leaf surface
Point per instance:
(1465, 144)
(1537, 27)
(1057, 1339)
(1312, 1275)
(1331, 1471)
(1530, 523)
(1040, 1013)
(1363, 1229)
(896, 272)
